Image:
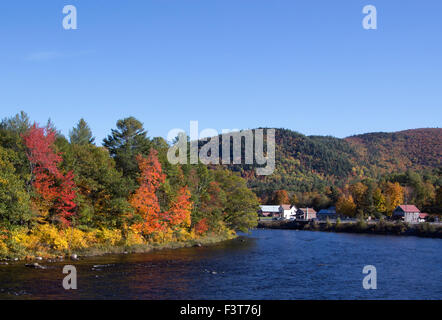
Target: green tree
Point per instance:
(19, 123)
(14, 200)
(81, 134)
(294, 200)
(102, 192)
(11, 130)
(241, 206)
(124, 144)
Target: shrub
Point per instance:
(78, 239)
(338, 224)
(53, 237)
(134, 238)
(329, 224)
(108, 236)
(426, 228)
(314, 225)
(380, 226)
(3, 249)
(182, 235)
(400, 227)
(361, 225)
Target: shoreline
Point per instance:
(119, 249)
(423, 230)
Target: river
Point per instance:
(267, 264)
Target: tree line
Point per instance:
(125, 189)
(370, 197)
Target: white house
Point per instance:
(288, 211)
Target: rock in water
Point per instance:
(35, 266)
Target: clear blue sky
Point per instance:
(304, 65)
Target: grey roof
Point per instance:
(269, 208)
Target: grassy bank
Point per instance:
(49, 242)
(380, 227)
(144, 248)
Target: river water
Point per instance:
(267, 264)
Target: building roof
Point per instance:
(423, 215)
(330, 210)
(270, 208)
(408, 208)
(310, 210)
(286, 206)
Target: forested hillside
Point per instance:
(318, 170)
(411, 149)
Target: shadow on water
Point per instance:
(268, 264)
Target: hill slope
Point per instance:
(417, 149)
(307, 163)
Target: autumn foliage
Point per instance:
(123, 193)
(180, 209)
(56, 190)
(145, 200)
(201, 227)
(146, 204)
(281, 197)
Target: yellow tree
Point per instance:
(379, 201)
(346, 205)
(358, 191)
(394, 195)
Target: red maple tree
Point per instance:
(144, 200)
(56, 189)
(180, 209)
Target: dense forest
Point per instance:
(60, 194)
(369, 173)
